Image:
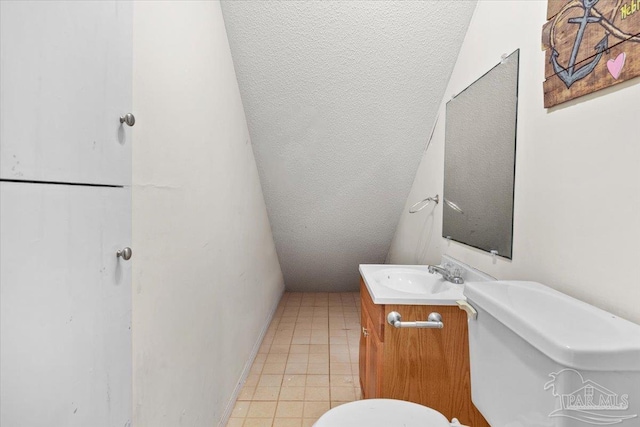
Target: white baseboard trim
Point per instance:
(247, 367)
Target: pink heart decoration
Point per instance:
(615, 65)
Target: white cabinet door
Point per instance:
(65, 80)
(65, 306)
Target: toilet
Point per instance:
(538, 358)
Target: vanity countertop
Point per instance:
(408, 285)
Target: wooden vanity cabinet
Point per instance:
(425, 366)
(371, 361)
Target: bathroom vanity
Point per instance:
(429, 366)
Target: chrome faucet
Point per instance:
(446, 274)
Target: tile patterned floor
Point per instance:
(307, 364)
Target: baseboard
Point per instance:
(247, 367)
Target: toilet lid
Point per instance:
(382, 413)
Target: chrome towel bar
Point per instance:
(434, 321)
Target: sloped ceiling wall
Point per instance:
(340, 97)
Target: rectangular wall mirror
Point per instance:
(479, 165)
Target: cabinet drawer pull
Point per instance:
(434, 321)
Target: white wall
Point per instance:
(577, 194)
(205, 273)
(339, 98)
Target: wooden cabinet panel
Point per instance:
(425, 366)
(376, 311)
(436, 361)
(375, 365)
(362, 356)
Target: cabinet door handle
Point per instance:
(434, 321)
(128, 119)
(365, 332)
(125, 254)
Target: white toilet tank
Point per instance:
(542, 358)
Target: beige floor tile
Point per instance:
(296, 368)
(315, 409)
(299, 349)
(289, 409)
(301, 340)
(357, 391)
(240, 409)
(246, 393)
(287, 422)
(319, 349)
(295, 380)
(298, 358)
(342, 394)
(252, 380)
(292, 393)
(321, 332)
(340, 368)
(256, 368)
(276, 358)
(279, 349)
(318, 380)
(270, 380)
(261, 410)
(338, 380)
(318, 369)
(258, 422)
(339, 349)
(266, 393)
(282, 341)
(274, 368)
(311, 336)
(340, 358)
(316, 394)
(318, 340)
(334, 404)
(235, 422)
(319, 358)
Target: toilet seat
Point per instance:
(382, 413)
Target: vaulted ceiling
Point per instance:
(340, 98)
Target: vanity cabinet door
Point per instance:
(374, 363)
(370, 358)
(363, 350)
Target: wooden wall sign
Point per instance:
(590, 45)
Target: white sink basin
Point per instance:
(411, 280)
(408, 284)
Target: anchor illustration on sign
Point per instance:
(570, 75)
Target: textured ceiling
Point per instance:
(340, 97)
